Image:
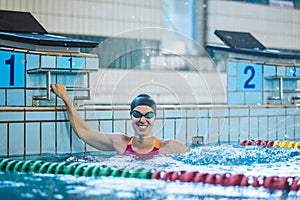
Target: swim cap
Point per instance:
(143, 99)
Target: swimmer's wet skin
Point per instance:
(143, 142)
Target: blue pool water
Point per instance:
(234, 159)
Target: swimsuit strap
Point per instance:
(156, 145)
(155, 149)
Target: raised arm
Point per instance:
(94, 138)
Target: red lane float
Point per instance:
(227, 179)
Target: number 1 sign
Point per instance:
(249, 77)
(11, 69)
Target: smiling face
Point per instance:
(142, 126)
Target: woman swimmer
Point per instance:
(142, 111)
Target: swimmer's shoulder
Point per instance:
(172, 147)
(119, 141)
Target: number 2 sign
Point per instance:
(11, 69)
(249, 77)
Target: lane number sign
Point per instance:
(11, 69)
(249, 77)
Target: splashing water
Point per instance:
(233, 159)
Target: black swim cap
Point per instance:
(144, 100)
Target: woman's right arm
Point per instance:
(94, 138)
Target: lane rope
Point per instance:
(276, 143)
(94, 170)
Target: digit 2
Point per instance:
(252, 74)
(11, 62)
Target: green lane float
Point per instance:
(83, 169)
(276, 143)
(78, 169)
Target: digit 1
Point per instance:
(70, 59)
(11, 62)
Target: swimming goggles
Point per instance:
(137, 114)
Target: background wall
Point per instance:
(275, 27)
(93, 17)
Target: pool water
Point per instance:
(234, 159)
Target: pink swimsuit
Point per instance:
(154, 151)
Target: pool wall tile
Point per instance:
(263, 130)
(174, 113)
(272, 129)
(106, 126)
(289, 84)
(2, 97)
(11, 116)
(281, 131)
(203, 113)
(290, 127)
(254, 129)
(16, 138)
(232, 84)
(93, 125)
(157, 129)
(211, 137)
(3, 141)
(258, 111)
(123, 114)
(181, 134)
(235, 98)
(71, 80)
(70, 62)
(48, 61)
(32, 61)
(15, 97)
(92, 63)
(224, 130)
(50, 102)
(169, 129)
(77, 144)
(63, 137)
(269, 85)
(217, 113)
(234, 129)
(238, 112)
(30, 94)
(33, 138)
(48, 138)
(192, 113)
(35, 80)
(231, 68)
(62, 115)
(99, 114)
(253, 98)
(119, 126)
(203, 125)
(40, 115)
(297, 127)
(281, 71)
(193, 130)
(269, 70)
(243, 134)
